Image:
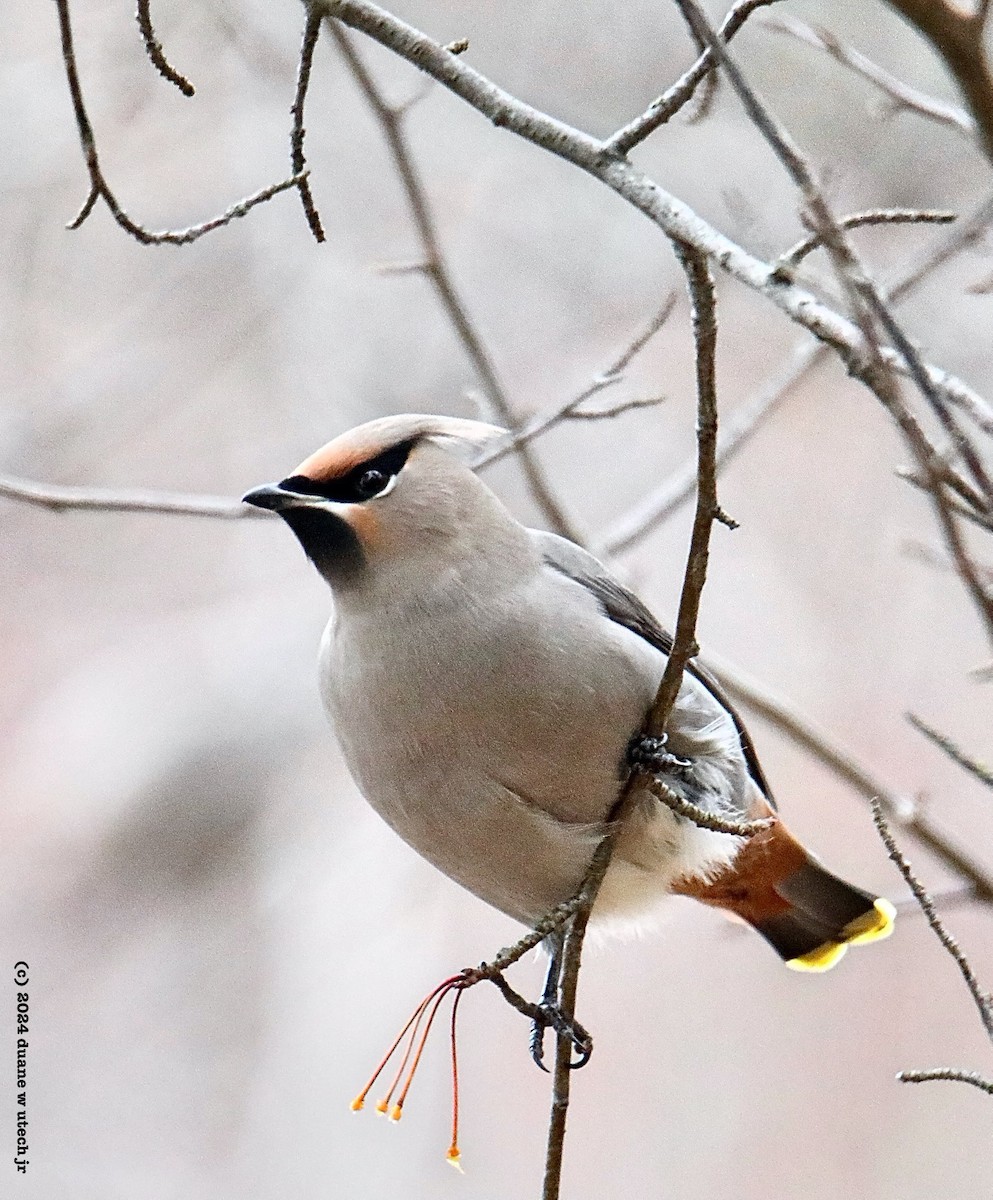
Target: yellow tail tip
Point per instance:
(821, 958)
(357, 1104)
(454, 1159)
(871, 926)
(382, 1107)
(396, 1112)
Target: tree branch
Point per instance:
(671, 215)
(975, 768)
(900, 94)
(701, 290)
(298, 160)
(59, 499)
(436, 268)
(957, 37)
(949, 1073)
(153, 49)
(869, 308)
(791, 259)
(979, 997)
(738, 426)
(614, 373)
(674, 98)
(101, 190)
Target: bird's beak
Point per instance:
(270, 497)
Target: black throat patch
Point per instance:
(328, 541)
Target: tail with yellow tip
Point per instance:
(806, 913)
(825, 917)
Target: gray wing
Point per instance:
(626, 609)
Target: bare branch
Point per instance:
(670, 214)
(876, 216)
(701, 289)
(981, 772)
(671, 101)
(957, 36)
(738, 426)
(973, 506)
(707, 820)
(617, 410)
(60, 499)
(436, 268)
(900, 94)
(869, 308)
(100, 189)
(949, 1073)
(298, 160)
(153, 49)
(900, 808)
(613, 374)
(980, 999)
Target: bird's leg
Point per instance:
(649, 753)
(548, 1012)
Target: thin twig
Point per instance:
(153, 48)
(298, 160)
(616, 410)
(900, 94)
(100, 189)
(968, 503)
(61, 499)
(980, 998)
(980, 770)
(672, 100)
(436, 268)
(949, 1073)
(876, 216)
(542, 422)
(957, 36)
(707, 820)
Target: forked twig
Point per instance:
(792, 258)
(899, 94)
(101, 190)
(672, 100)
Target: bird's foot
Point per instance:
(648, 753)
(550, 1016)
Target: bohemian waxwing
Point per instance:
(485, 681)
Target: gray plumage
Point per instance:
(484, 695)
(485, 681)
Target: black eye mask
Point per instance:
(362, 482)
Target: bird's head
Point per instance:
(395, 492)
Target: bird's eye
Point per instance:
(371, 483)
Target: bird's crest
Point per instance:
(362, 444)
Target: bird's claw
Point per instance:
(650, 754)
(550, 1016)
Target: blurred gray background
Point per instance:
(222, 938)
